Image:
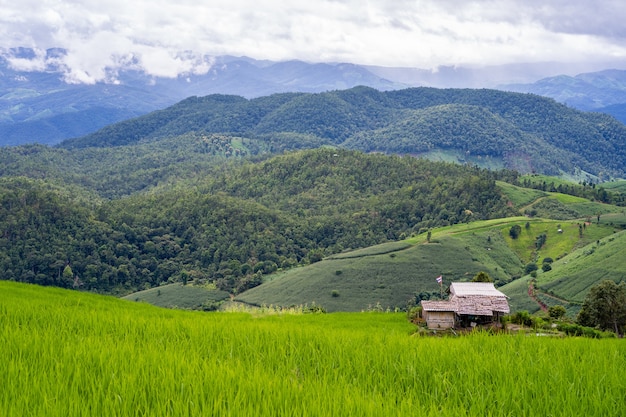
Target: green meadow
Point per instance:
(68, 353)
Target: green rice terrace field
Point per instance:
(67, 353)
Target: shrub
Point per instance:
(571, 329)
(530, 268)
(315, 256)
(578, 330)
(334, 293)
(315, 309)
(414, 314)
(482, 276)
(537, 322)
(540, 241)
(522, 317)
(515, 231)
(211, 305)
(557, 312)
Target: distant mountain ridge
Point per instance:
(602, 91)
(40, 107)
(525, 132)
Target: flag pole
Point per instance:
(440, 281)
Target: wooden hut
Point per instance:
(470, 303)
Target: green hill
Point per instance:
(116, 172)
(394, 274)
(521, 131)
(487, 242)
(250, 220)
(391, 279)
(571, 277)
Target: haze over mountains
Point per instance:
(602, 91)
(38, 106)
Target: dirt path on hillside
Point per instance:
(522, 209)
(532, 294)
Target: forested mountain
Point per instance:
(521, 131)
(236, 225)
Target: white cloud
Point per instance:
(166, 38)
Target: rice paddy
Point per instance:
(66, 353)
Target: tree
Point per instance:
(515, 231)
(605, 307)
(540, 241)
(68, 275)
(530, 267)
(482, 277)
(556, 312)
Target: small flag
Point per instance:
(439, 279)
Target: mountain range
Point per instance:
(39, 106)
(602, 91)
(489, 128)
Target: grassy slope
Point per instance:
(360, 282)
(572, 276)
(393, 273)
(619, 186)
(357, 281)
(179, 296)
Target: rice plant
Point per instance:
(66, 353)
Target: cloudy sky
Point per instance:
(166, 38)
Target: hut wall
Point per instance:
(440, 319)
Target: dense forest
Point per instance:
(233, 226)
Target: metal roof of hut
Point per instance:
(478, 298)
